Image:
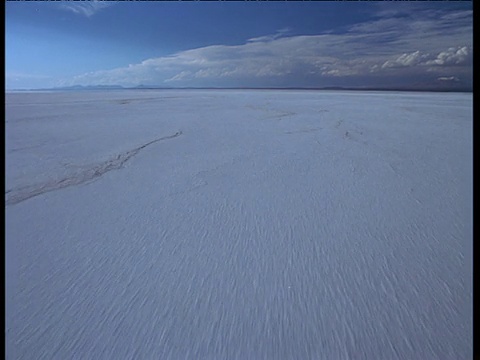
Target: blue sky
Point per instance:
(253, 44)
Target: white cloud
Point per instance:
(181, 76)
(85, 8)
(460, 55)
(411, 59)
(452, 56)
(279, 33)
(448, 78)
(458, 15)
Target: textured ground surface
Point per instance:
(238, 225)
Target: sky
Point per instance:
(239, 44)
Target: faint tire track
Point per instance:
(302, 131)
(92, 173)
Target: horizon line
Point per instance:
(154, 87)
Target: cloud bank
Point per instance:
(391, 50)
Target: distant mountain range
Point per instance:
(157, 87)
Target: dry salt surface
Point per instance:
(188, 224)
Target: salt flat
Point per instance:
(235, 224)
